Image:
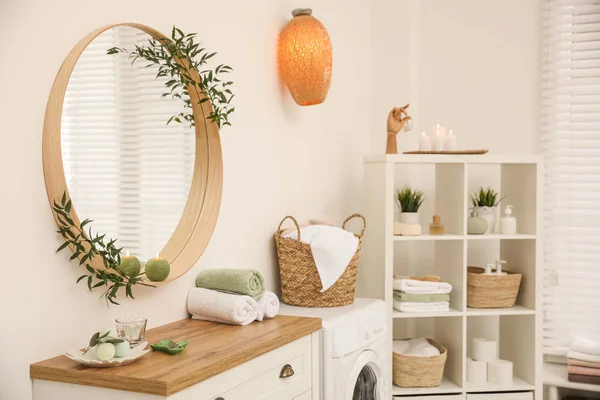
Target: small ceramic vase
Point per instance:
(476, 225)
(489, 214)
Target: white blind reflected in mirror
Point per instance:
(570, 142)
(126, 169)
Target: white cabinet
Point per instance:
(282, 374)
(447, 182)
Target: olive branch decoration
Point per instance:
(181, 59)
(87, 246)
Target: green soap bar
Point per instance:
(169, 346)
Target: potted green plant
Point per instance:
(409, 201)
(485, 203)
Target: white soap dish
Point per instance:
(89, 359)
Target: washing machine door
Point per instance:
(365, 381)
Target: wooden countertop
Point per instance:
(212, 349)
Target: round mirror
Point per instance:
(153, 186)
(126, 168)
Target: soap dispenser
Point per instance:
(488, 269)
(499, 267)
(508, 223)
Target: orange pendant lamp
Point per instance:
(305, 58)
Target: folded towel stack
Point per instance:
(231, 296)
(414, 295)
(584, 361)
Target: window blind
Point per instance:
(570, 141)
(125, 168)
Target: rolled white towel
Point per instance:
(210, 305)
(268, 306)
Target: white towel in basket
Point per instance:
(332, 249)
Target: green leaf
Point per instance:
(94, 339)
(64, 198)
(62, 246)
(98, 284)
(80, 278)
(89, 283)
(68, 206)
(90, 269)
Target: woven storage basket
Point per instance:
(411, 371)
(300, 281)
(492, 291)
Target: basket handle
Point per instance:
(295, 224)
(362, 232)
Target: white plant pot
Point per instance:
(408, 225)
(409, 218)
(489, 214)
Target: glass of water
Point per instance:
(132, 329)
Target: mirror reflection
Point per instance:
(126, 169)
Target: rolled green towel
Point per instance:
(247, 282)
(420, 298)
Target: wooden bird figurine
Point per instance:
(397, 119)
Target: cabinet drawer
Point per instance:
(501, 396)
(305, 396)
(259, 379)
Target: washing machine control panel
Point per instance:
(357, 334)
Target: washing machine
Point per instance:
(354, 349)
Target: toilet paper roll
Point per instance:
(476, 371)
(485, 350)
(500, 372)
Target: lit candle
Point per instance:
(441, 129)
(157, 269)
(438, 143)
(450, 142)
(130, 265)
(424, 143)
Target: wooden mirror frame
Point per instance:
(199, 217)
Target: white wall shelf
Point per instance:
(497, 236)
(452, 313)
(447, 387)
(447, 182)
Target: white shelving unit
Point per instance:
(447, 181)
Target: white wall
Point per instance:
(464, 63)
(472, 65)
(279, 159)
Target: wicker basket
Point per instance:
(411, 371)
(300, 281)
(492, 291)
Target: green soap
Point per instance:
(169, 346)
(157, 269)
(122, 349)
(130, 265)
(105, 351)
